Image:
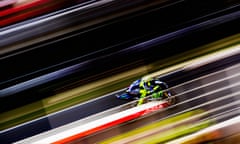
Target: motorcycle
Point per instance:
(133, 93)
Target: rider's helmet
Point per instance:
(147, 83)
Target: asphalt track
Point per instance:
(200, 88)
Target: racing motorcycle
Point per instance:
(133, 92)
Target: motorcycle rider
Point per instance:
(151, 86)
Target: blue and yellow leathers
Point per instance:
(149, 87)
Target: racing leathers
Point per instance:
(152, 87)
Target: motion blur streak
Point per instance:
(39, 80)
(200, 61)
(164, 128)
(214, 57)
(210, 83)
(221, 130)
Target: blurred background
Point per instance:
(64, 62)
